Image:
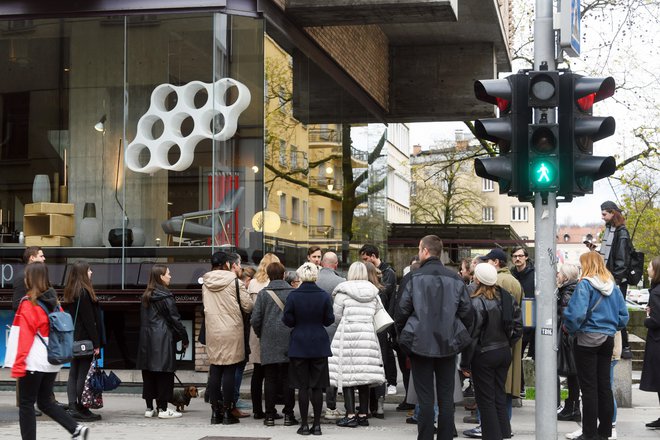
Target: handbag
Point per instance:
(90, 398)
(382, 319)
(565, 357)
(84, 347)
(102, 381)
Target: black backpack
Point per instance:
(511, 317)
(635, 267)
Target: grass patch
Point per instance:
(530, 393)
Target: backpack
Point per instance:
(60, 336)
(511, 317)
(635, 267)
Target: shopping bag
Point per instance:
(91, 399)
(102, 381)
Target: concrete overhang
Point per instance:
(437, 49)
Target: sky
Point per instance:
(581, 211)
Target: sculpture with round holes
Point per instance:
(205, 120)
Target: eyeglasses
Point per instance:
(518, 256)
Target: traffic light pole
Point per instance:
(545, 214)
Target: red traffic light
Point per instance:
(588, 91)
(494, 91)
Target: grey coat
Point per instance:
(327, 280)
(267, 324)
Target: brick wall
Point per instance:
(362, 51)
(201, 359)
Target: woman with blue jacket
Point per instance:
(594, 314)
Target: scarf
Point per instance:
(608, 239)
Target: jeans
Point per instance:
(77, 376)
(489, 375)
(256, 384)
(276, 380)
(593, 369)
(331, 397)
(238, 378)
(36, 386)
(612, 365)
(425, 372)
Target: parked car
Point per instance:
(640, 296)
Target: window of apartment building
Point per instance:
(283, 206)
(293, 157)
(305, 213)
(488, 213)
(335, 219)
(519, 213)
(487, 185)
(320, 219)
(295, 210)
(282, 153)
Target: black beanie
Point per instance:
(609, 206)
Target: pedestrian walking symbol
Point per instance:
(543, 174)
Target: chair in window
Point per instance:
(201, 225)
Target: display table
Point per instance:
(49, 224)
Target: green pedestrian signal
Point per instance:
(544, 174)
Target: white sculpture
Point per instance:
(185, 107)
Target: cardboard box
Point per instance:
(49, 208)
(46, 241)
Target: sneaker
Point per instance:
(411, 421)
(81, 432)
(169, 414)
(333, 414)
(613, 436)
(242, 404)
(391, 389)
(473, 433)
(348, 422)
(151, 413)
(405, 406)
(269, 421)
(363, 420)
(626, 353)
(575, 434)
(654, 424)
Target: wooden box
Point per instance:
(45, 241)
(49, 224)
(49, 208)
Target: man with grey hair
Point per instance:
(329, 279)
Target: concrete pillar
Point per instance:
(622, 387)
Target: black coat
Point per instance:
(389, 284)
(18, 283)
(88, 323)
(650, 371)
(526, 279)
(434, 312)
(160, 329)
(618, 261)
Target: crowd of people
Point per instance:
(314, 332)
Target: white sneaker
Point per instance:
(169, 414)
(333, 414)
(81, 432)
(613, 436)
(151, 413)
(391, 389)
(575, 434)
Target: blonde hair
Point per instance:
(357, 271)
(374, 274)
(308, 272)
(261, 274)
(593, 266)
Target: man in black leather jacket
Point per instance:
(432, 319)
(615, 248)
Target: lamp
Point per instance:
(100, 126)
(266, 221)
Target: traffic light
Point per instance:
(579, 130)
(508, 131)
(543, 136)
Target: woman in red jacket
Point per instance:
(35, 374)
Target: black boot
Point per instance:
(229, 418)
(571, 412)
(216, 414)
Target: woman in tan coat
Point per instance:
(224, 297)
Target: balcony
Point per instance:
(318, 135)
(321, 231)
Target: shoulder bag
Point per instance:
(83, 347)
(382, 319)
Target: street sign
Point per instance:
(570, 28)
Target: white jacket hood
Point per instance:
(360, 290)
(604, 287)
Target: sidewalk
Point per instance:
(123, 419)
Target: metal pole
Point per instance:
(545, 252)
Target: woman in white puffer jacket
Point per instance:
(356, 361)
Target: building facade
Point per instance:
(135, 132)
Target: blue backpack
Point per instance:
(60, 336)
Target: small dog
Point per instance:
(181, 396)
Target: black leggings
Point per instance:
(349, 399)
(317, 403)
(225, 374)
(36, 386)
(256, 388)
(77, 376)
(157, 385)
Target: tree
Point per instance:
(443, 192)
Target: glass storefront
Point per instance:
(129, 140)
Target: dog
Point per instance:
(181, 396)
